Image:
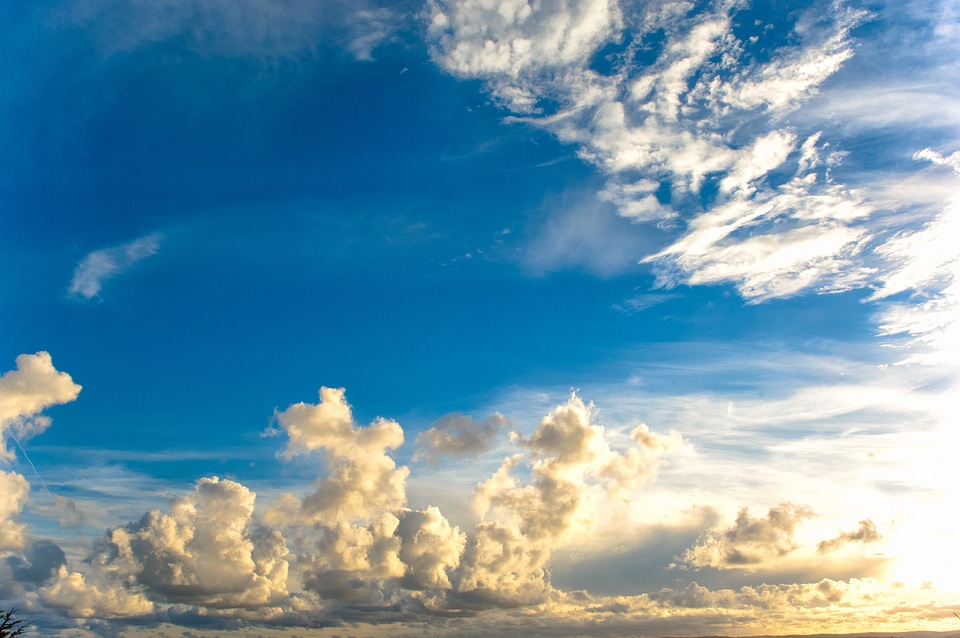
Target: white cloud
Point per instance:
(205, 550)
(100, 265)
(72, 593)
(363, 480)
(34, 386)
(13, 496)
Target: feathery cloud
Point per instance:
(100, 265)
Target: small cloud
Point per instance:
(458, 435)
(100, 265)
(640, 303)
(865, 534)
(25, 392)
(750, 542)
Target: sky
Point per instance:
(467, 317)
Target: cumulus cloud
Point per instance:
(34, 386)
(865, 534)
(430, 549)
(363, 481)
(573, 465)
(750, 542)
(100, 265)
(459, 435)
(13, 496)
(205, 550)
(72, 593)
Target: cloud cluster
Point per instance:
(704, 118)
(103, 264)
(573, 466)
(750, 542)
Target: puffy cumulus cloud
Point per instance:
(363, 480)
(100, 265)
(865, 534)
(750, 542)
(506, 556)
(13, 496)
(459, 435)
(72, 593)
(34, 386)
(206, 550)
(430, 548)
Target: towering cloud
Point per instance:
(573, 465)
(363, 480)
(34, 386)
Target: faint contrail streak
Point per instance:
(24, 452)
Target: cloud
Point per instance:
(262, 29)
(573, 466)
(865, 534)
(205, 550)
(459, 435)
(34, 386)
(13, 496)
(100, 265)
(72, 593)
(363, 480)
(508, 43)
(42, 561)
(705, 117)
(430, 549)
(751, 542)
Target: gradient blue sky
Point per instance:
(505, 233)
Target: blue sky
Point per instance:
(337, 315)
